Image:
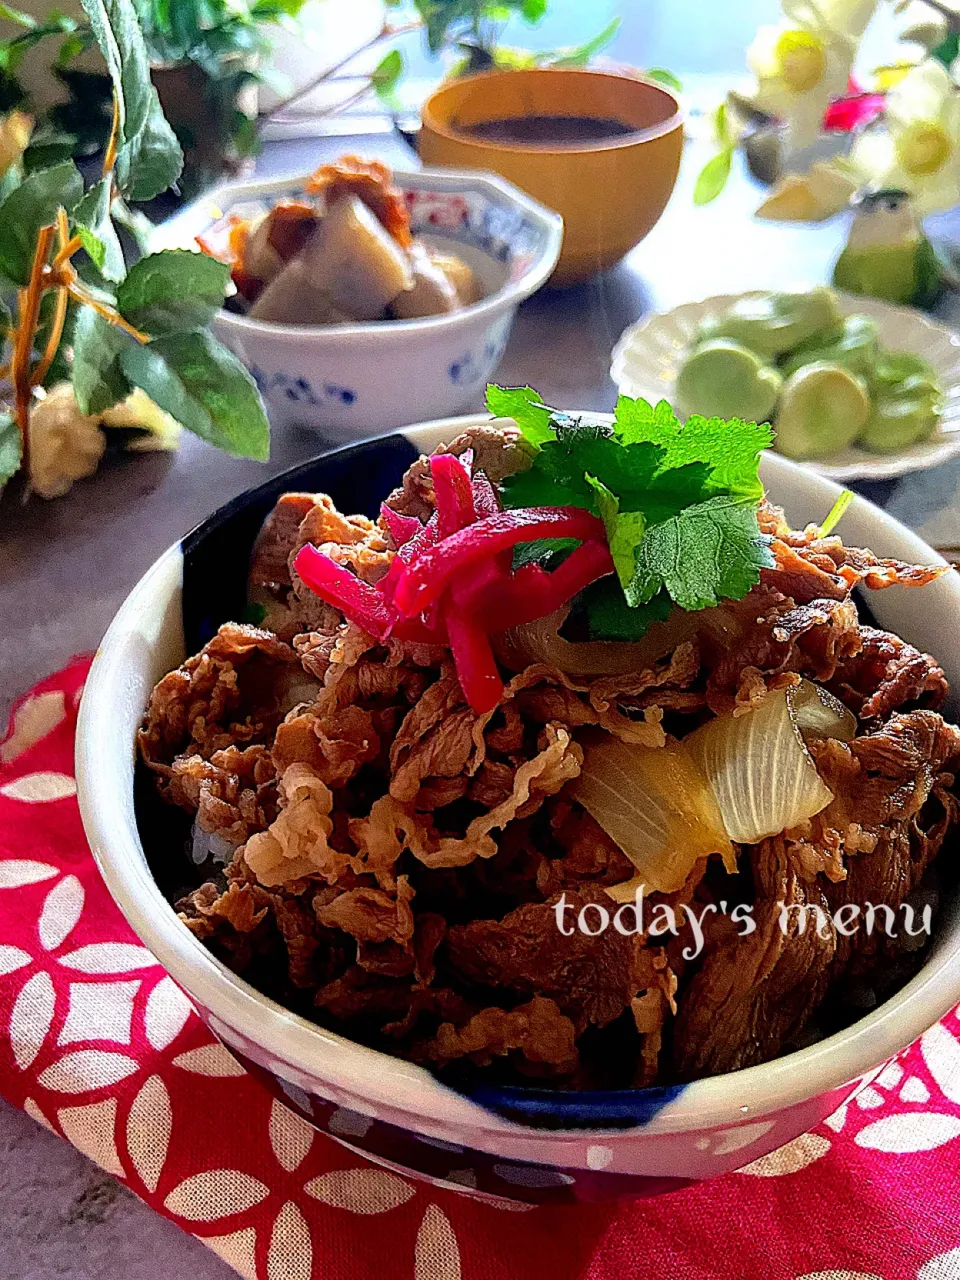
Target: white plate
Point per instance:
(646, 359)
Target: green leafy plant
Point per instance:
(143, 328)
(218, 46)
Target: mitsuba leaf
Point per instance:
(98, 378)
(205, 388)
(603, 609)
(10, 448)
(173, 290)
(705, 553)
(525, 407)
(30, 206)
(93, 213)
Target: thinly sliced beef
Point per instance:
(886, 675)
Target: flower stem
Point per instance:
(28, 313)
(60, 307)
(386, 32)
(110, 155)
(79, 294)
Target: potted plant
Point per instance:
(206, 59)
(88, 344)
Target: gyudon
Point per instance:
(568, 659)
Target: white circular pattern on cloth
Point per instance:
(909, 1131)
(215, 1193)
(60, 913)
(941, 1053)
(290, 1256)
(290, 1137)
(436, 1254)
(360, 1190)
(39, 788)
(91, 1129)
(149, 1126)
(945, 1266)
(238, 1250)
(793, 1157)
(35, 717)
(210, 1060)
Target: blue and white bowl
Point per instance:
(530, 1144)
(351, 380)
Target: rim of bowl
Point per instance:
(631, 139)
(511, 293)
(391, 1082)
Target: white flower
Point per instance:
(138, 410)
(918, 149)
(824, 190)
(804, 61)
(65, 444)
(15, 131)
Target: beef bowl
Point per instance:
(527, 1091)
(346, 377)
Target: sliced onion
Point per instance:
(656, 805)
(758, 765)
(540, 641)
(818, 714)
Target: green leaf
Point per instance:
(93, 245)
(662, 76)
(581, 54)
(149, 159)
(625, 531)
(10, 448)
(387, 72)
(22, 19)
(173, 290)
(707, 552)
(548, 552)
(93, 213)
(731, 448)
(29, 207)
(713, 177)
(532, 11)
(604, 611)
(152, 161)
(205, 388)
(525, 407)
(117, 31)
(835, 514)
(98, 378)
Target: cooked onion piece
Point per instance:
(758, 765)
(656, 804)
(818, 714)
(540, 641)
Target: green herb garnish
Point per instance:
(679, 501)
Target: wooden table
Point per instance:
(66, 565)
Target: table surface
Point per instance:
(65, 566)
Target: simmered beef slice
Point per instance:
(591, 979)
(230, 693)
(751, 994)
(886, 675)
(497, 453)
(897, 783)
(893, 803)
(278, 539)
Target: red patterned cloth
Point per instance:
(98, 1044)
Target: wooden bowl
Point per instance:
(610, 192)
